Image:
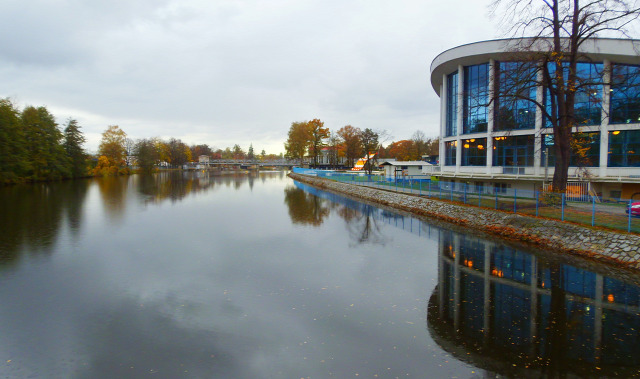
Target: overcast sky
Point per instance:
(223, 72)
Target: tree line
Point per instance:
(33, 147)
(343, 147)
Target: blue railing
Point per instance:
(582, 209)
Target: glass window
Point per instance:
(620, 292)
(588, 97)
(472, 253)
(588, 100)
(513, 151)
(510, 263)
(625, 94)
(450, 153)
(624, 148)
(452, 104)
(515, 91)
(474, 152)
(476, 98)
(585, 150)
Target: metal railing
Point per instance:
(586, 210)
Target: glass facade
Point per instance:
(515, 95)
(476, 98)
(514, 109)
(586, 150)
(450, 153)
(588, 98)
(625, 94)
(624, 148)
(513, 151)
(452, 104)
(474, 152)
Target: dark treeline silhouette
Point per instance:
(33, 148)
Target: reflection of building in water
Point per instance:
(505, 310)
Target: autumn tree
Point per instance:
(179, 152)
(558, 30)
(317, 136)
(162, 148)
(297, 141)
(237, 152)
(352, 143)
(432, 146)
(226, 153)
(73, 141)
(147, 154)
(402, 150)
(198, 150)
(370, 145)
(113, 145)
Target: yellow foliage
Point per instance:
(105, 167)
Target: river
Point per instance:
(202, 275)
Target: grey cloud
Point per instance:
(226, 70)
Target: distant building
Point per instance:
(398, 170)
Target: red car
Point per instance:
(635, 209)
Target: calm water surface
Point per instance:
(257, 276)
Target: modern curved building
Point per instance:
(497, 145)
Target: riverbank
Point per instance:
(595, 243)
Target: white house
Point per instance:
(398, 170)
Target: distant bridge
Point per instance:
(247, 162)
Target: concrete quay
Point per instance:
(609, 246)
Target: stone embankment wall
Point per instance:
(611, 246)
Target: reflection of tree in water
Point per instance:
(305, 208)
(553, 358)
(176, 185)
(171, 186)
(363, 225)
(361, 219)
(31, 215)
(114, 194)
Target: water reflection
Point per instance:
(32, 215)
(309, 205)
(175, 186)
(305, 208)
(523, 315)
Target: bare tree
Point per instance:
(333, 145)
(419, 143)
(556, 33)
